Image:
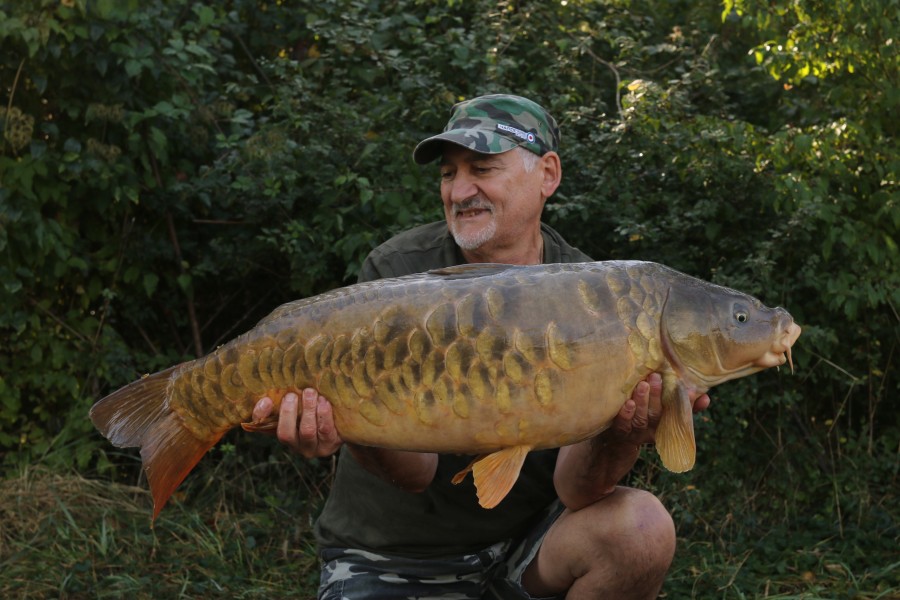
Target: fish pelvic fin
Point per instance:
(139, 415)
(269, 424)
(675, 433)
(495, 474)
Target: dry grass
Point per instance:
(64, 536)
(243, 532)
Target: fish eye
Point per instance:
(741, 315)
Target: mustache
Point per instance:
(472, 204)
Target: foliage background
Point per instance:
(171, 171)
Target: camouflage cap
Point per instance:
(494, 124)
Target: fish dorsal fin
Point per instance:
(471, 271)
(495, 474)
(675, 433)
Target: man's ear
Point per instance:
(551, 172)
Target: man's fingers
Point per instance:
(305, 423)
(325, 420)
(262, 409)
(287, 420)
(701, 403)
(641, 397)
(309, 425)
(654, 406)
(623, 421)
(329, 440)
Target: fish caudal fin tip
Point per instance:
(169, 453)
(124, 416)
(495, 474)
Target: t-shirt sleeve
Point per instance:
(368, 271)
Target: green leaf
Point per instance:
(133, 67)
(72, 146)
(205, 14)
(164, 108)
(150, 282)
(184, 281)
(131, 274)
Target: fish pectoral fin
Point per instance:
(675, 433)
(270, 423)
(495, 474)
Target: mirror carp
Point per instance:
(484, 359)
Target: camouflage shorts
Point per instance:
(494, 573)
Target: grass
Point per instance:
(65, 536)
(241, 528)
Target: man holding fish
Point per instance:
(393, 525)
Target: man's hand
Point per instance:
(638, 418)
(590, 470)
(305, 425)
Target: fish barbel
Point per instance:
(493, 360)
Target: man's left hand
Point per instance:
(638, 418)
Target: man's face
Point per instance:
(490, 200)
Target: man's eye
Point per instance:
(446, 174)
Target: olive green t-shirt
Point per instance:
(365, 512)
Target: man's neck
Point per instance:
(530, 253)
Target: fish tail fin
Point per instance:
(169, 453)
(139, 415)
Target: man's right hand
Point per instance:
(305, 424)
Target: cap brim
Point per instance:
(478, 140)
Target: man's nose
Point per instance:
(462, 187)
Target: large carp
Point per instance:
(494, 360)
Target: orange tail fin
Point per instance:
(139, 415)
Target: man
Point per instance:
(394, 526)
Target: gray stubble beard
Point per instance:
(479, 238)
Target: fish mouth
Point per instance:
(780, 352)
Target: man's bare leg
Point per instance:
(619, 547)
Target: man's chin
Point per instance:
(469, 238)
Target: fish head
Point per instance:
(712, 334)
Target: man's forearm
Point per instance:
(590, 470)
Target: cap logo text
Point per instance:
(528, 137)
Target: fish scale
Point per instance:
(493, 360)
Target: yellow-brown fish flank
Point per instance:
(477, 359)
(464, 353)
(638, 307)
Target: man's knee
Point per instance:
(653, 525)
(619, 547)
(639, 527)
